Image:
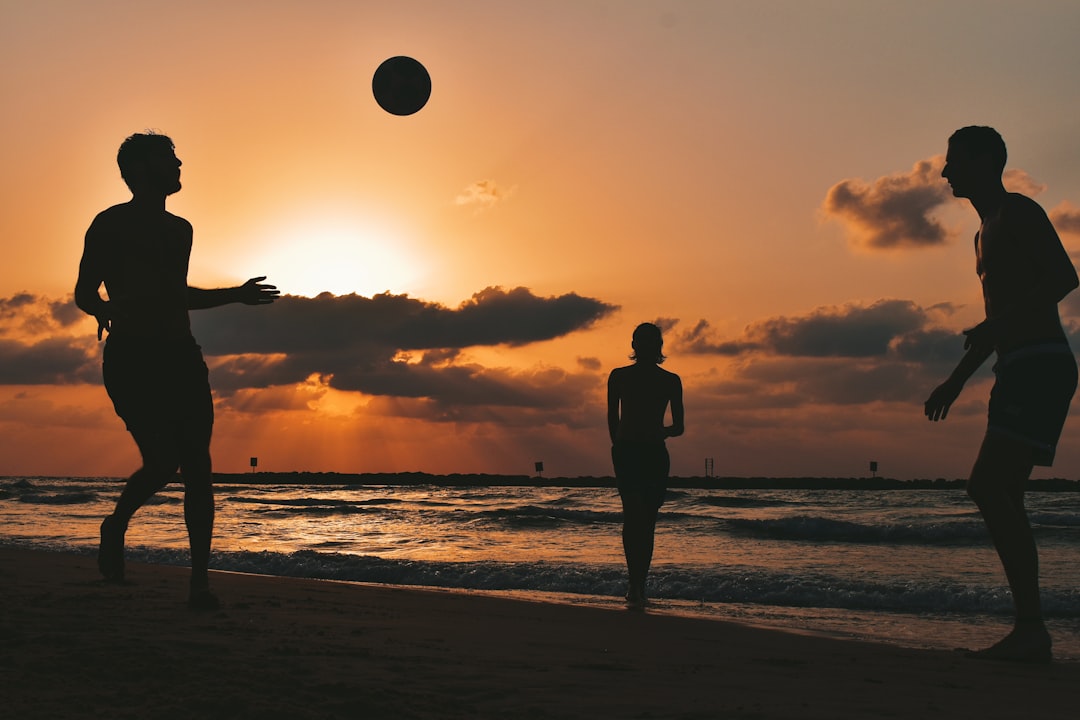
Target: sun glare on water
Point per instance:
(341, 259)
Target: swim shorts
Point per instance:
(1030, 398)
(160, 389)
(641, 471)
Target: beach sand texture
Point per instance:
(72, 646)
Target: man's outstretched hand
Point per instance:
(253, 292)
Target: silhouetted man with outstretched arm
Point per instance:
(1025, 272)
(153, 369)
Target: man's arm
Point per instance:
(1054, 275)
(944, 395)
(250, 293)
(1057, 275)
(91, 276)
(613, 406)
(676, 428)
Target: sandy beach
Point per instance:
(75, 647)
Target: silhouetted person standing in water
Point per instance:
(638, 399)
(1025, 273)
(154, 372)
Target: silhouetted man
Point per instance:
(1025, 273)
(638, 398)
(153, 370)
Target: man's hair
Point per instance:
(976, 140)
(136, 149)
(648, 343)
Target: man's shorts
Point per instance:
(641, 471)
(1031, 396)
(160, 389)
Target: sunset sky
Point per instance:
(760, 178)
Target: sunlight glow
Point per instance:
(341, 257)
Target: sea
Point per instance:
(911, 567)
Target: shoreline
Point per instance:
(74, 646)
(411, 479)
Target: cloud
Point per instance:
(26, 314)
(37, 344)
(394, 345)
(850, 330)
(297, 349)
(889, 351)
(483, 194)
(52, 361)
(1018, 181)
(362, 326)
(590, 363)
(698, 340)
(893, 211)
(1066, 218)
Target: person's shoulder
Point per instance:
(179, 222)
(672, 377)
(110, 215)
(1021, 208)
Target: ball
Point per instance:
(401, 85)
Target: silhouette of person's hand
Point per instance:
(254, 293)
(104, 325)
(944, 395)
(983, 335)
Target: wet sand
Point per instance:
(72, 646)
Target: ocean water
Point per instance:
(910, 567)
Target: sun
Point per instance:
(341, 258)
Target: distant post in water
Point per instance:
(539, 465)
(873, 468)
(709, 467)
(254, 463)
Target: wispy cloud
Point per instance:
(1066, 218)
(483, 194)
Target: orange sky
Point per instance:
(581, 167)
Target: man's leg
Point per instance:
(196, 408)
(157, 470)
(639, 526)
(199, 518)
(997, 487)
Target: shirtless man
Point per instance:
(1025, 273)
(153, 370)
(638, 399)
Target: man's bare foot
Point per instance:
(1026, 643)
(635, 599)
(203, 599)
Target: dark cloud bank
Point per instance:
(386, 345)
(891, 350)
(395, 345)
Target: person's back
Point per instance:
(639, 396)
(645, 391)
(1018, 251)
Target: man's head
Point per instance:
(149, 164)
(976, 157)
(648, 344)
